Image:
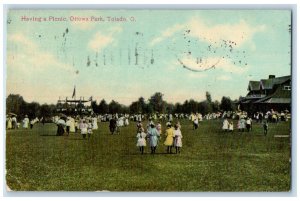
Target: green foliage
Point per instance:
(227, 104)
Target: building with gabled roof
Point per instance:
(266, 94)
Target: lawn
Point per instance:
(210, 160)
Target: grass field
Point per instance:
(210, 160)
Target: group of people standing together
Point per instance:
(242, 125)
(68, 125)
(153, 134)
(12, 122)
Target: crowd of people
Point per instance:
(245, 122)
(152, 134)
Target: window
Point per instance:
(287, 88)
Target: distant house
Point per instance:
(266, 94)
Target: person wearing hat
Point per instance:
(169, 137)
(153, 136)
(60, 126)
(112, 125)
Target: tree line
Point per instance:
(156, 103)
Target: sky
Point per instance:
(122, 55)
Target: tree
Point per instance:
(178, 108)
(157, 103)
(114, 107)
(134, 107)
(103, 107)
(45, 111)
(227, 104)
(14, 103)
(204, 107)
(208, 102)
(169, 107)
(215, 106)
(95, 107)
(34, 110)
(208, 97)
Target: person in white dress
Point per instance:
(177, 138)
(141, 140)
(68, 124)
(225, 125)
(158, 127)
(84, 129)
(243, 124)
(9, 123)
(126, 123)
(72, 125)
(26, 122)
(90, 129)
(95, 123)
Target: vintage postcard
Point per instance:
(148, 100)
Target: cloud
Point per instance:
(101, 39)
(240, 32)
(34, 72)
(31, 57)
(20, 39)
(167, 33)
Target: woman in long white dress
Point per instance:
(26, 122)
(9, 123)
(72, 125)
(225, 125)
(95, 123)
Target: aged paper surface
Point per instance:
(148, 100)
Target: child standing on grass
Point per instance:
(266, 127)
(169, 138)
(76, 125)
(177, 138)
(153, 136)
(158, 127)
(90, 129)
(141, 141)
(196, 123)
(84, 129)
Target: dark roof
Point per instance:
(269, 83)
(279, 96)
(279, 100)
(253, 85)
